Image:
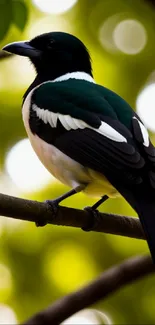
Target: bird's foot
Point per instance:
(53, 206)
(94, 214)
(93, 220)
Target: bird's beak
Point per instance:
(22, 48)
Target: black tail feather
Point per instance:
(142, 200)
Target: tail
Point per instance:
(142, 200)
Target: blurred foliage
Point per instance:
(39, 265)
(14, 12)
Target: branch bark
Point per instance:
(40, 212)
(110, 281)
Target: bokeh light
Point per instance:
(17, 66)
(106, 33)
(54, 7)
(145, 106)
(71, 263)
(1, 80)
(46, 24)
(5, 280)
(7, 315)
(130, 36)
(88, 317)
(25, 169)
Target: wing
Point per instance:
(81, 122)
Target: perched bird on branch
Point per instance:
(86, 135)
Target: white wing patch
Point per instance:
(54, 119)
(144, 133)
(70, 123)
(111, 133)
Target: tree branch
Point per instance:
(40, 212)
(152, 2)
(110, 281)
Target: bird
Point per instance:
(85, 134)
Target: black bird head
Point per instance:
(54, 54)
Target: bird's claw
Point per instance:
(53, 205)
(94, 219)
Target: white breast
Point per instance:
(59, 165)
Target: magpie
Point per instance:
(86, 135)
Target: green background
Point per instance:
(38, 266)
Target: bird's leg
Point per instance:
(94, 214)
(99, 202)
(53, 204)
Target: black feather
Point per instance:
(129, 166)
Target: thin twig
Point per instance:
(110, 281)
(40, 212)
(151, 2)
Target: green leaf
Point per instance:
(20, 14)
(5, 17)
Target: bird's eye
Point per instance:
(50, 44)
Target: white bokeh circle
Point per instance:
(54, 6)
(25, 168)
(88, 317)
(130, 36)
(145, 106)
(7, 315)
